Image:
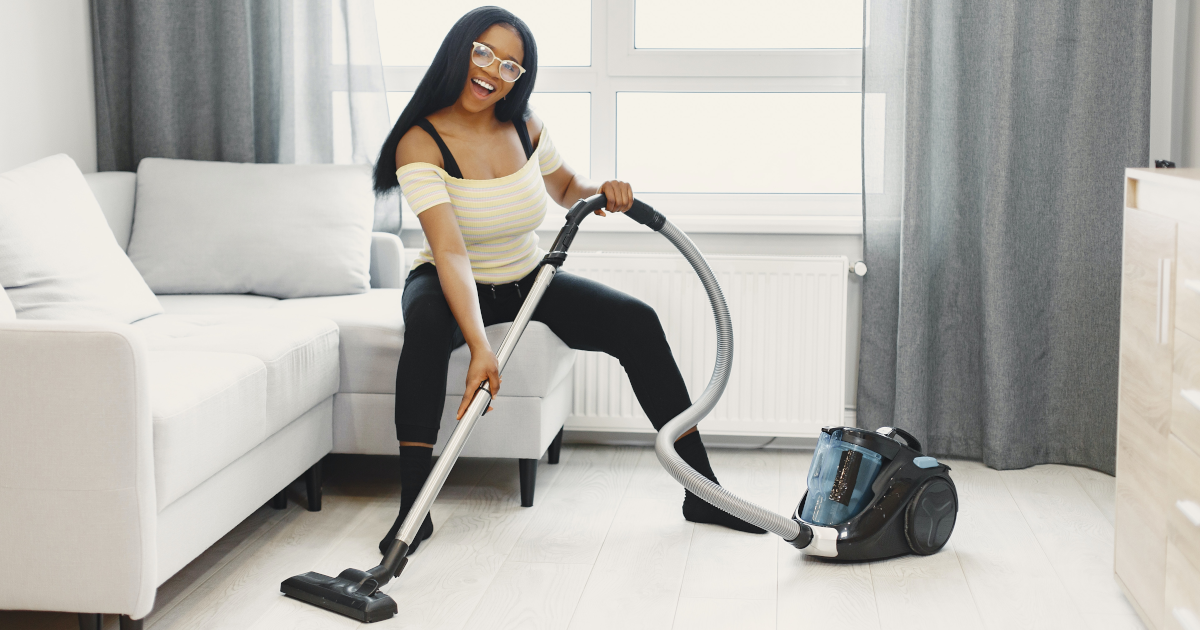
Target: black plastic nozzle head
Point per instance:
(343, 595)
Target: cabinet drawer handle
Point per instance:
(1163, 314)
(1192, 396)
(1191, 511)
(1186, 618)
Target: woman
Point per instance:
(476, 167)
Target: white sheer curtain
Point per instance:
(334, 104)
(334, 107)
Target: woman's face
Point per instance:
(484, 86)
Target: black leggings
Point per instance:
(585, 314)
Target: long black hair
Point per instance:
(443, 83)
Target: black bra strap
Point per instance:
(523, 132)
(451, 165)
(447, 158)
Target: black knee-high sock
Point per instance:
(415, 464)
(695, 509)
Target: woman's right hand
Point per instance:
(483, 368)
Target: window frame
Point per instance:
(619, 67)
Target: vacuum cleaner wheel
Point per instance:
(930, 517)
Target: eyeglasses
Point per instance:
(483, 56)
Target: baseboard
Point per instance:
(646, 438)
(638, 432)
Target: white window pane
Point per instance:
(411, 31)
(748, 24)
(568, 116)
(740, 142)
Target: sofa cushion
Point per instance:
(209, 409)
(371, 333)
(300, 352)
(198, 303)
(7, 311)
(58, 257)
(282, 230)
(540, 361)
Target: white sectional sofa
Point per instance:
(149, 404)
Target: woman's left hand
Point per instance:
(619, 195)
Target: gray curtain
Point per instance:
(991, 306)
(293, 81)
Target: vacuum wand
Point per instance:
(458, 439)
(356, 593)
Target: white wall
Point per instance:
(48, 104)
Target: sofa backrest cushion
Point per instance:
(114, 190)
(7, 312)
(280, 230)
(58, 257)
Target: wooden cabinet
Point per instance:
(1158, 420)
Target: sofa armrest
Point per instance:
(387, 261)
(78, 523)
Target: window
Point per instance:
(744, 116)
(561, 27)
(715, 24)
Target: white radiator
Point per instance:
(789, 350)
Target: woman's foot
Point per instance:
(698, 510)
(424, 532)
(695, 509)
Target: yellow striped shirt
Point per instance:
(497, 217)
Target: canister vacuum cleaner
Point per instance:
(870, 496)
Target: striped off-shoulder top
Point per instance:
(497, 217)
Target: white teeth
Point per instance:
(488, 86)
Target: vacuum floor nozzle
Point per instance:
(341, 595)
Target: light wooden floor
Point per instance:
(605, 546)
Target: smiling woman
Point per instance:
(477, 168)
(447, 78)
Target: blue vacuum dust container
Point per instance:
(871, 496)
(839, 480)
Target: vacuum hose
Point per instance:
(664, 446)
(796, 533)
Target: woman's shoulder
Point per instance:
(535, 127)
(416, 145)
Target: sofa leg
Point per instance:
(91, 621)
(528, 479)
(555, 447)
(130, 624)
(312, 485)
(279, 501)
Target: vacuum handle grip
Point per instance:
(640, 212)
(575, 216)
(584, 207)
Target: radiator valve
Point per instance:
(859, 269)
